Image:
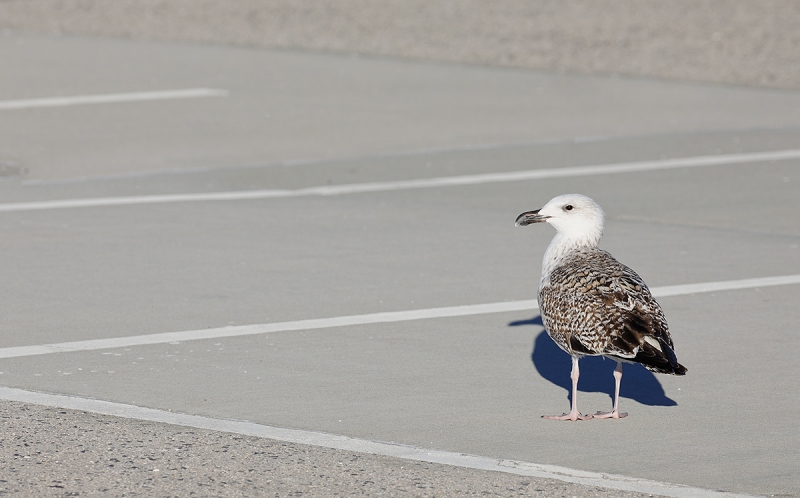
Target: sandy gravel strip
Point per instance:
(750, 42)
(345, 443)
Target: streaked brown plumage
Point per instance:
(591, 304)
(595, 305)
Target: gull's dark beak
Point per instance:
(530, 217)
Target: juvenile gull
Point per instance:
(591, 304)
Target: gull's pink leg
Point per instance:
(614, 413)
(574, 414)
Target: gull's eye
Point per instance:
(568, 207)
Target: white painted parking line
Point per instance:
(725, 285)
(353, 320)
(267, 328)
(112, 98)
(448, 181)
(325, 440)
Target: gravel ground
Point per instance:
(749, 42)
(55, 452)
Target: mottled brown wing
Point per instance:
(595, 305)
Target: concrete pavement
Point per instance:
(472, 385)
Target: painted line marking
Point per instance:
(371, 318)
(268, 328)
(449, 181)
(112, 98)
(347, 443)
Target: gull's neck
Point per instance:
(560, 247)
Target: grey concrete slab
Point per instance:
(440, 383)
(478, 385)
(287, 106)
(90, 273)
(466, 159)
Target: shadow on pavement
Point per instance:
(554, 365)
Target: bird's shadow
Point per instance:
(553, 364)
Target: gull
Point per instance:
(593, 305)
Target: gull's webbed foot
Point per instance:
(611, 414)
(573, 416)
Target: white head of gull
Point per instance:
(578, 221)
(591, 304)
